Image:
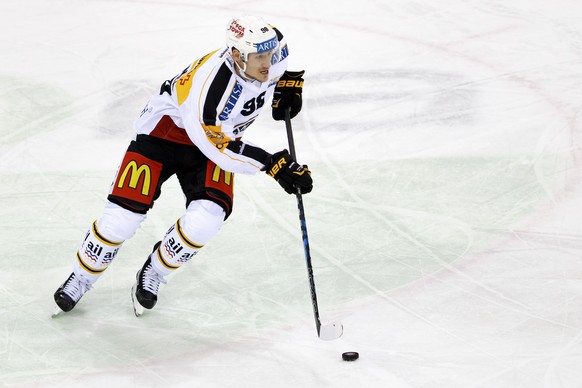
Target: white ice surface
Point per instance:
(445, 223)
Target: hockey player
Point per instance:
(193, 128)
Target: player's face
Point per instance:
(258, 65)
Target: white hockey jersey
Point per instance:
(208, 105)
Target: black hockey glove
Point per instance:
(288, 94)
(289, 173)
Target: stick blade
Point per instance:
(56, 312)
(331, 331)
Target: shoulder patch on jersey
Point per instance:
(215, 135)
(184, 83)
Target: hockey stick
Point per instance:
(332, 330)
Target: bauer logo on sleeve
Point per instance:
(137, 178)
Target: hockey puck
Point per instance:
(350, 356)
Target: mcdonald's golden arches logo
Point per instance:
(135, 172)
(137, 178)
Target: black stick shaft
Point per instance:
(303, 226)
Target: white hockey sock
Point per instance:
(187, 236)
(175, 250)
(94, 255)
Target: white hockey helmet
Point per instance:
(250, 34)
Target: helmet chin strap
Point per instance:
(242, 70)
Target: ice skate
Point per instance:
(144, 292)
(69, 293)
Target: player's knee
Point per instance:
(117, 223)
(202, 220)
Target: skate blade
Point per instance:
(137, 308)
